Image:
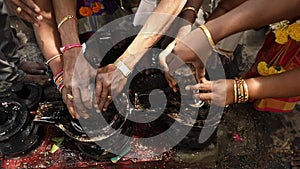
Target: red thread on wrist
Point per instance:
(70, 46)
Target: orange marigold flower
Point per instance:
(97, 6)
(85, 11)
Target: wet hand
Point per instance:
(219, 92)
(109, 83)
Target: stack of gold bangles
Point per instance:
(240, 90)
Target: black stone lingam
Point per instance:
(18, 135)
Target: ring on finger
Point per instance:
(19, 10)
(109, 97)
(70, 97)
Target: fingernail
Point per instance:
(98, 111)
(104, 109)
(40, 17)
(187, 88)
(37, 10)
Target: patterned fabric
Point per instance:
(93, 14)
(286, 56)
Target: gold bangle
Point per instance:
(246, 91)
(64, 19)
(241, 97)
(190, 8)
(235, 91)
(208, 35)
(52, 58)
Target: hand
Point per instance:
(78, 75)
(195, 53)
(69, 103)
(26, 9)
(220, 92)
(109, 83)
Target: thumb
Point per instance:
(163, 55)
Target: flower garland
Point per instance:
(264, 69)
(283, 30)
(92, 7)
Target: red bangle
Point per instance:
(68, 47)
(58, 73)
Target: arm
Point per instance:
(274, 86)
(252, 14)
(47, 36)
(77, 88)
(48, 39)
(248, 15)
(223, 7)
(280, 85)
(156, 27)
(190, 15)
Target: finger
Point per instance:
(77, 102)
(173, 84)
(31, 9)
(72, 111)
(26, 13)
(107, 103)
(200, 73)
(103, 97)
(80, 110)
(31, 4)
(200, 86)
(69, 104)
(203, 96)
(97, 93)
(86, 94)
(203, 80)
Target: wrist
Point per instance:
(122, 67)
(69, 47)
(240, 91)
(189, 13)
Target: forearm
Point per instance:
(279, 85)
(190, 15)
(154, 28)
(223, 7)
(68, 29)
(252, 14)
(47, 36)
